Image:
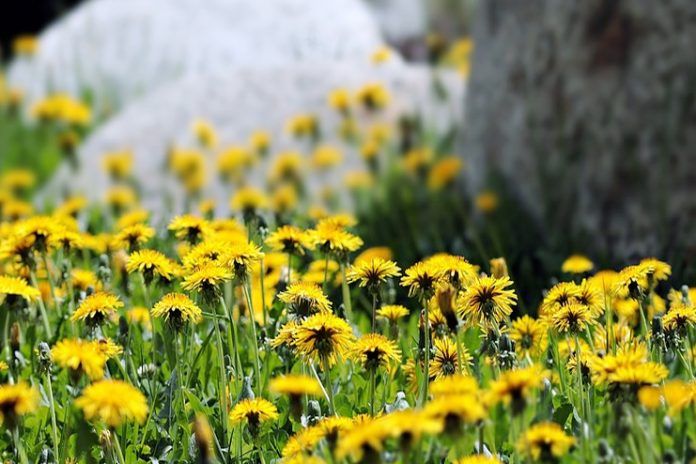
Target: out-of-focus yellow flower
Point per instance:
(381, 55)
(444, 172)
(118, 165)
(18, 181)
(248, 200)
(113, 402)
(577, 264)
(25, 45)
(304, 125)
(486, 201)
(358, 180)
(373, 96)
(260, 142)
(339, 99)
(15, 401)
(61, 107)
(205, 133)
(325, 157)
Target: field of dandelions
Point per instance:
(288, 330)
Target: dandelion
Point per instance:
(373, 351)
(421, 279)
(515, 386)
(15, 401)
(372, 273)
(260, 141)
(248, 200)
(392, 313)
(447, 359)
(363, 443)
(486, 202)
(444, 172)
(295, 387)
(206, 280)
(288, 239)
(577, 264)
(323, 338)
(479, 459)
(240, 257)
(545, 441)
(80, 357)
(530, 336)
(97, 308)
(454, 412)
(330, 238)
(151, 264)
(454, 385)
(190, 228)
(305, 299)
(373, 96)
(573, 318)
(15, 292)
(178, 310)
(118, 165)
(680, 317)
(488, 300)
(253, 412)
(113, 402)
(133, 237)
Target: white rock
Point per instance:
(119, 49)
(400, 20)
(240, 103)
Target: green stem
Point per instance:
(346, 294)
(254, 343)
(42, 307)
(329, 386)
(426, 368)
(54, 423)
(372, 391)
(117, 447)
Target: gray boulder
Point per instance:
(116, 50)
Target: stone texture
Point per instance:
(400, 20)
(116, 50)
(587, 111)
(237, 104)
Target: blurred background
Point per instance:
(529, 130)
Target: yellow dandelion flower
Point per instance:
(375, 350)
(80, 357)
(513, 387)
(486, 202)
(545, 441)
(305, 299)
(151, 264)
(178, 310)
(421, 279)
(530, 336)
(445, 360)
(253, 412)
(454, 385)
(372, 273)
(189, 227)
(112, 402)
(488, 300)
(288, 239)
(577, 264)
(324, 338)
(15, 401)
(15, 290)
(444, 172)
(248, 200)
(392, 313)
(373, 96)
(132, 237)
(97, 308)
